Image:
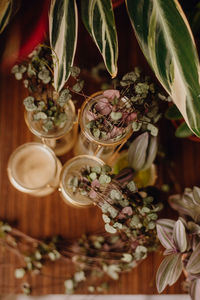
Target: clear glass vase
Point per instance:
(72, 168)
(60, 139)
(33, 168)
(88, 144)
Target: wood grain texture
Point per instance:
(47, 216)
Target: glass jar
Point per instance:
(62, 139)
(33, 168)
(87, 143)
(72, 168)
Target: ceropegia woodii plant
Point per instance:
(167, 42)
(182, 242)
(63, 24)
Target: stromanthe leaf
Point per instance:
(63, 25)
(167, 42)
(98, 18)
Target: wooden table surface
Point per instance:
(47, 216)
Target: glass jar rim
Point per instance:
(89, 136)
(53, 135)
(10, 171)
(63, 173)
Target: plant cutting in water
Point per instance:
(182, 242)
(46, 105)
(134, 104)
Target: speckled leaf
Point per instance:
(63, 25)
(183, 131)
(167, 42)
(98, 18)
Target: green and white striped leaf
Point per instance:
(98, 18)
(63, 28)
(5, 13)
(167, 42)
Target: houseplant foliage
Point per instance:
(44, 103)
(135, 103)
(182, 242)
(163, 33)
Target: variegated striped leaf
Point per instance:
(167, 42)
(63, 26)
(98, 18)
(5, 13)
(169, 271)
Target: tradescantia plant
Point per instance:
(182, 242)
(163, 34)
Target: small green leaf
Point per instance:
(105, 218)
(115, 195)
(19, 273)
(96, 169)
(103, 179)
(116, 115)
(79, 276)
(110, 228)
(77, 87)
(183, 131)
(64, 97)
(96, 132)
(173, 113)
(131, 186)
(75, 71)
(40, 116)
(153, 129)
(93, 176)
(29, 104)
(136, 126)
(127, 257)
(106, 169)
(48, 125)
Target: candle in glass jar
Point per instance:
(33, 168)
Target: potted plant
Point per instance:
(182, 243)
(108, 118)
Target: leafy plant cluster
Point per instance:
(126, 210)
(96, 258)
(134, 104)
(46, 106)
(182, 242)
